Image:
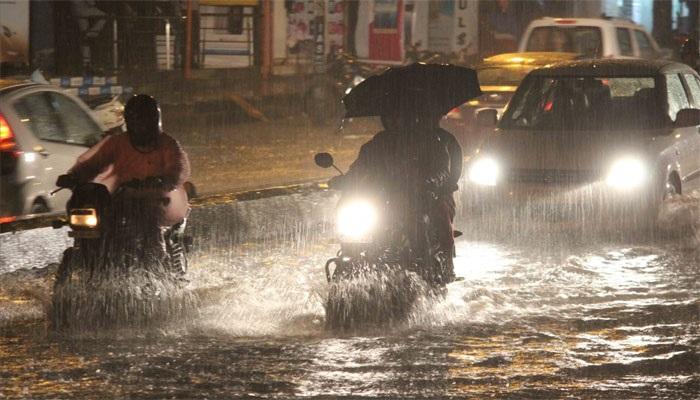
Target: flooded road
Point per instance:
(615, 321)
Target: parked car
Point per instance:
(592, 37)
(499, 76)
(109, 110)
(592, 134)
(42, 132)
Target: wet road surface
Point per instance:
(614, 321)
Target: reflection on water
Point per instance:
(614, 321)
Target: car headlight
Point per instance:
(627, 173)
(356, 220)
(485, 171)
(83, 217)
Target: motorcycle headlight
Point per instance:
(83, 218)
(356, 220)
(485, 171)
(627, 173)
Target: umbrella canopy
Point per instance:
(432, 89)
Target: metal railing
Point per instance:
(218, 41)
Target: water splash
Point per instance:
(382, 295)
(84, 302)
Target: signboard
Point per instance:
(466, 27)
(335, 24)
(14, 38)
(441, 25)
(453, 26)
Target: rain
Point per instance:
(283, 235)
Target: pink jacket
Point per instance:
(115, 161)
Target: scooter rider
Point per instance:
(143, 153)
(408, 159)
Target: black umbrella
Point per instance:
(432, 89)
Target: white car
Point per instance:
(592, 38)
(581, 133)
(42, 132)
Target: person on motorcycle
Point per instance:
(409, 154)
(446, 207)
(143, 154)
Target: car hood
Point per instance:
(572, 151)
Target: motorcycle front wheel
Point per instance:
(365, 295)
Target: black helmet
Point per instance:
(143, 124)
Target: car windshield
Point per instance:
(503, 75)
(585, 40)
(588, 103)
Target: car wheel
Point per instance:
(39, 207)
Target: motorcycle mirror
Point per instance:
(323, 160)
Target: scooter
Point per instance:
(385, 240)
(118, 237)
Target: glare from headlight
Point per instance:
(485, 171)
(356, 220)
(89, 221)
(83, 217)
(627, 173)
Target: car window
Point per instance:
(78, 125)
(35, 110)
(624, 42)
(694, 86)
(645, 49)
(568, 104)
(585, 40)
(676, 97)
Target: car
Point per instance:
(42, 132)
(592, 37)
(618, 135)
(109, 110)
(499, 76)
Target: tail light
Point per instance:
(7, 220)
(7, 137)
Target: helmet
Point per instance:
(143, 124)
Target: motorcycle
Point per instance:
(389, 257)
(125, 266)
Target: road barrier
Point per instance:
(290, 214)
(90, 85)
(221, 202)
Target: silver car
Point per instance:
(581, 133)
(42, 132)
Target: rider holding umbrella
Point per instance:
(413, 155)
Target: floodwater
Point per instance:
(604, 321)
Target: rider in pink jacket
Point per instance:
(145, 151)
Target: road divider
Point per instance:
(221, 201)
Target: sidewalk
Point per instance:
(255, 155)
